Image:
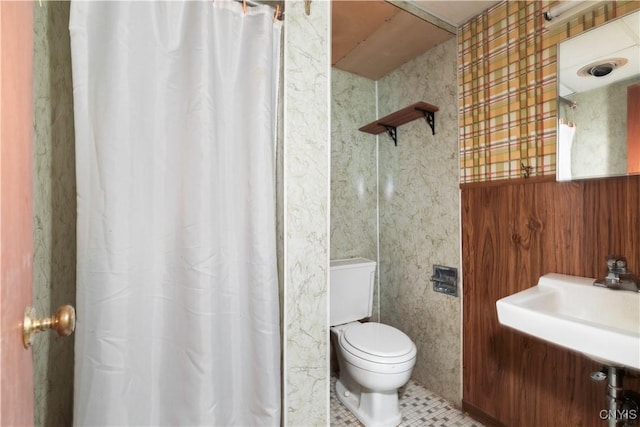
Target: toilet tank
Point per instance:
(351, 290)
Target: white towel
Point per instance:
(566, 133)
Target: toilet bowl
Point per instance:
(374, 359)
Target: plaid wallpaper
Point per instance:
(507, 81)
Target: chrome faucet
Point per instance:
(619, 277)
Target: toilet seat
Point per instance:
(378, 343)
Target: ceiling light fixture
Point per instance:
(566, 10)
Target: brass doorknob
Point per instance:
(63, 322)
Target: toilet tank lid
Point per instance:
(350, 262)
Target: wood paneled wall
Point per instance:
(511, 235)
(633, 128)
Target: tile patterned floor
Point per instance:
(419, 407)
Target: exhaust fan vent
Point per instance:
(601, 68)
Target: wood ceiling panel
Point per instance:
(354, 21)
(396, 41)
(457, 12)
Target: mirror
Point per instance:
(599, 101)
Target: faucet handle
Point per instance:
(617, 264)
(618, 276)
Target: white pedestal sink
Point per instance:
(569, 311)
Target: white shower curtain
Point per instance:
(177, 293)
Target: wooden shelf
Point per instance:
(408, 114)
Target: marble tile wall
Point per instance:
(306, 213)
(354, 183)
(54, 210)
(420, 216)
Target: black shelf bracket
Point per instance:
(393, 133)
(429, 116)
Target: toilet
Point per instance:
(374, 359)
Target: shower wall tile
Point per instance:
(353, 167)
(306, 211)
(419, 216)
(354, 231)
(54, 210)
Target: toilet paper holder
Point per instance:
(445, 280)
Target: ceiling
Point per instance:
(374, 37)
(594, 46)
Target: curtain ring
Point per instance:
(307, 7)
(277, 14)
(244, 7)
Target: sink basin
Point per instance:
(569, 311)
